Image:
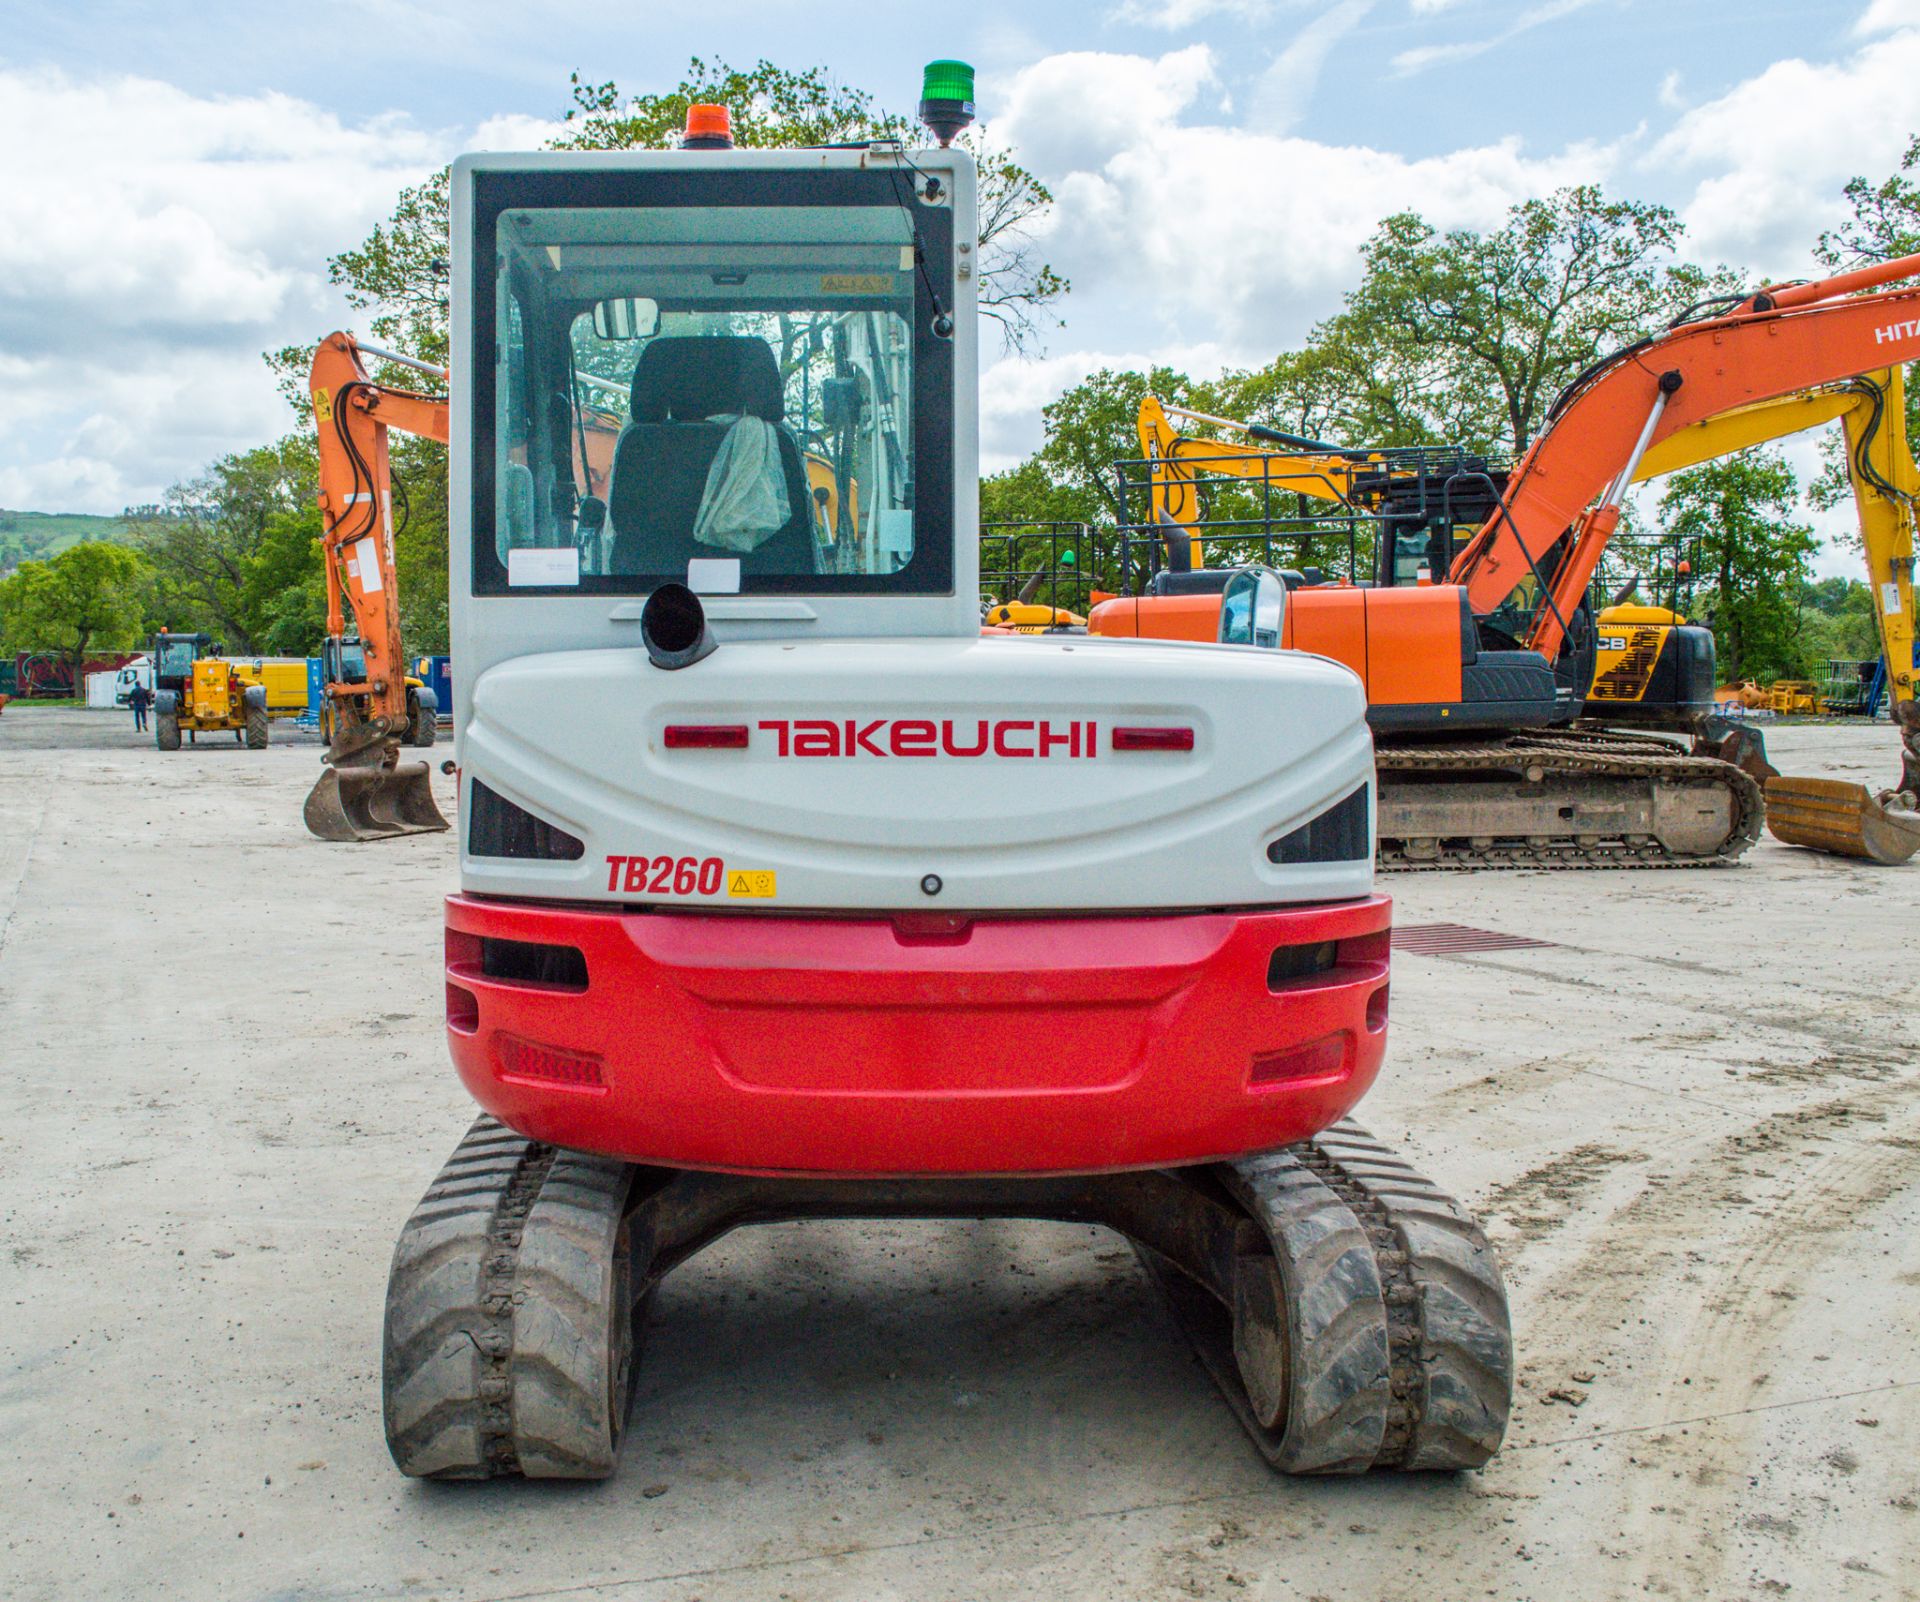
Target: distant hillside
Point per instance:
(32, 536)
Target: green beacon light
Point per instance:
(946, 99)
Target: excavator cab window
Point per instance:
(750, 397)
(176, 656)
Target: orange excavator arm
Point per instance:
(366, 792)
(1572, 479)
(353, 414)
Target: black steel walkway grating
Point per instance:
(1451, 939)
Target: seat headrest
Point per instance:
(688, 377)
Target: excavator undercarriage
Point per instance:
(1352, 1313)
(1562, 798)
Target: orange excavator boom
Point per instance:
(1573, 478)
(365, 792)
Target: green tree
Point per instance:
(1739, 513)
(206, 549)
(398, 274)
(291, 614)
(1885, 224)
(92, 597)
(1837, 621)
(1885, 221)
(1467, 337)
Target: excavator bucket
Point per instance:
(373, 803)
(1845, 818)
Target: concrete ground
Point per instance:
(1691, 1124)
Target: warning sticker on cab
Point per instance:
(856, 283)
(755, 883)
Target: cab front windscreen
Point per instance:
(724, 395)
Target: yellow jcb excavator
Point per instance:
(1826, 814)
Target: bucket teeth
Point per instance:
(373, 803)
(1841, 817)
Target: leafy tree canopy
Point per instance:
(90, 598)
(1738, 513)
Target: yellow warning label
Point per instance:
(751, 882)
(322, 406)
(856, 284)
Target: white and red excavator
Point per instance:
(784, 892)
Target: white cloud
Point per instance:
(1172, 16)
(1286, 87)
(1884, 16)
(1670, 95)
(1409, 62)
(1432, 8)
(1177, 228)
(1072, 110)
(1013, 390)
(155, 243)
(1766, 161)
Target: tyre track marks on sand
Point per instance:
(16, 855)
(1686, 1292)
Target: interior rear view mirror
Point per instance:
(631, 318)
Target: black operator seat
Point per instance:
(660, 463)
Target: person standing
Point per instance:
(139, 698)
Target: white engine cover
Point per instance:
(577, 738)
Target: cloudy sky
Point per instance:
(173, 178)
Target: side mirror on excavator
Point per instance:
(1252, 608)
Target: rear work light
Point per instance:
(706, 736)
(1153, 739)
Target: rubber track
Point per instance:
(503, 1352)
(1447, 1323)
(1397, 1352)
(1335, 1364)
(1578, 754)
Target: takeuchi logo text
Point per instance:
(924, 737)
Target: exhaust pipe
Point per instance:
(673, 627)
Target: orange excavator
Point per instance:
(365, 791)
(1472, 681)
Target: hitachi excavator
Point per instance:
(774, 867)
(1504, 650)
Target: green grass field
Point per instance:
(34, 536)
